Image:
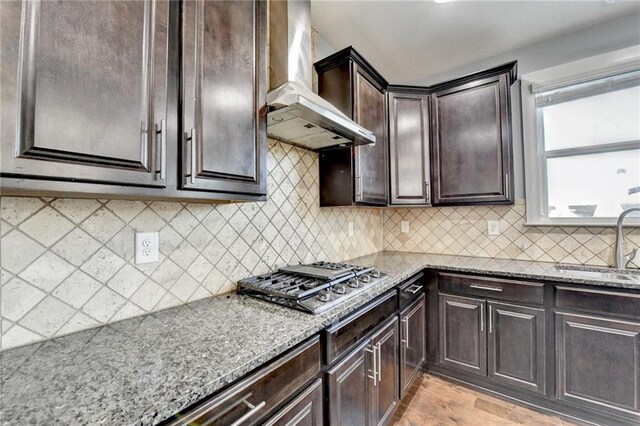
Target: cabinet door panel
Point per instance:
(370, 161)
(463, 339)
(224, 96)
(409, 148)
(412, 342)
(472, 143)
(88, 91)
(598, 363)
(516, 345)
(348, 387)
(385, 394)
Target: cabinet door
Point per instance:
(472, 143)
(224, 93)
(516, 345)
(349, 385)
(463, 339)
(412, 342)
(385, 392)
(598, 363)
(84, 91)
(370, 162)
(409, 148)
(304, 410)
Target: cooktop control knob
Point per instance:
(340, 289)
(366, 278)
(354, 283)
(374, 273)
(324, 296)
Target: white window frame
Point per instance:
(589, 69)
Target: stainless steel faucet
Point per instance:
(622, 260)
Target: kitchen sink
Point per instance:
(600, 273)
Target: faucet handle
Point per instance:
(629, 257)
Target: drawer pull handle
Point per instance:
(486, 287)
(253, 410)
(413, 289)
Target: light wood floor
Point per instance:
(439, 402)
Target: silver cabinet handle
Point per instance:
(253, 410)
(486, 287)
(404, 334)
(379, 367)
(413, 289)
(506, 185)
(372, 351)
(427, 193)
(163, 148)
(406, 327)
(358, 187)
(193, 156)
(490, 319)
(481, 317)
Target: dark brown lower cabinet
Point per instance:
(363, 387)
(385, 392)
(598, 363)
(254, 399)
(516, 345)
(349, 388)
(505, 342)
(304, 410)
(412, 342)
(463, 340)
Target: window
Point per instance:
(582, 153)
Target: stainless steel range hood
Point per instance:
(296, 114)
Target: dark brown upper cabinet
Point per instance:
(84, 91)
(224, 96)
(471, 139)
(409, 164)
(92, 95)
(355, 175)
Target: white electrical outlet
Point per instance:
(146, 247)
(404, 226)
(493, 227)
(350, 229)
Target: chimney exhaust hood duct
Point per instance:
(296, 114)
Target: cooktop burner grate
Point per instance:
(311, 288)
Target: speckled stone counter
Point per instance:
(142, 370)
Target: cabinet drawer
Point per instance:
(410, 290)
(257, 395)
(493, 288)
(305, 409)
(341, 337)
(599, 301)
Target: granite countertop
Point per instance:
(143, 370)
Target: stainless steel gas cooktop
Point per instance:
(312, 288)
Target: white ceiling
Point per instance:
(407, 41)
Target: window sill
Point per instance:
(584, 224)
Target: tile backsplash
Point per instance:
(463, 231)
(67, 264)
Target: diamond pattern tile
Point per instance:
(77, 254)
(47, 226)
(462, 231)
